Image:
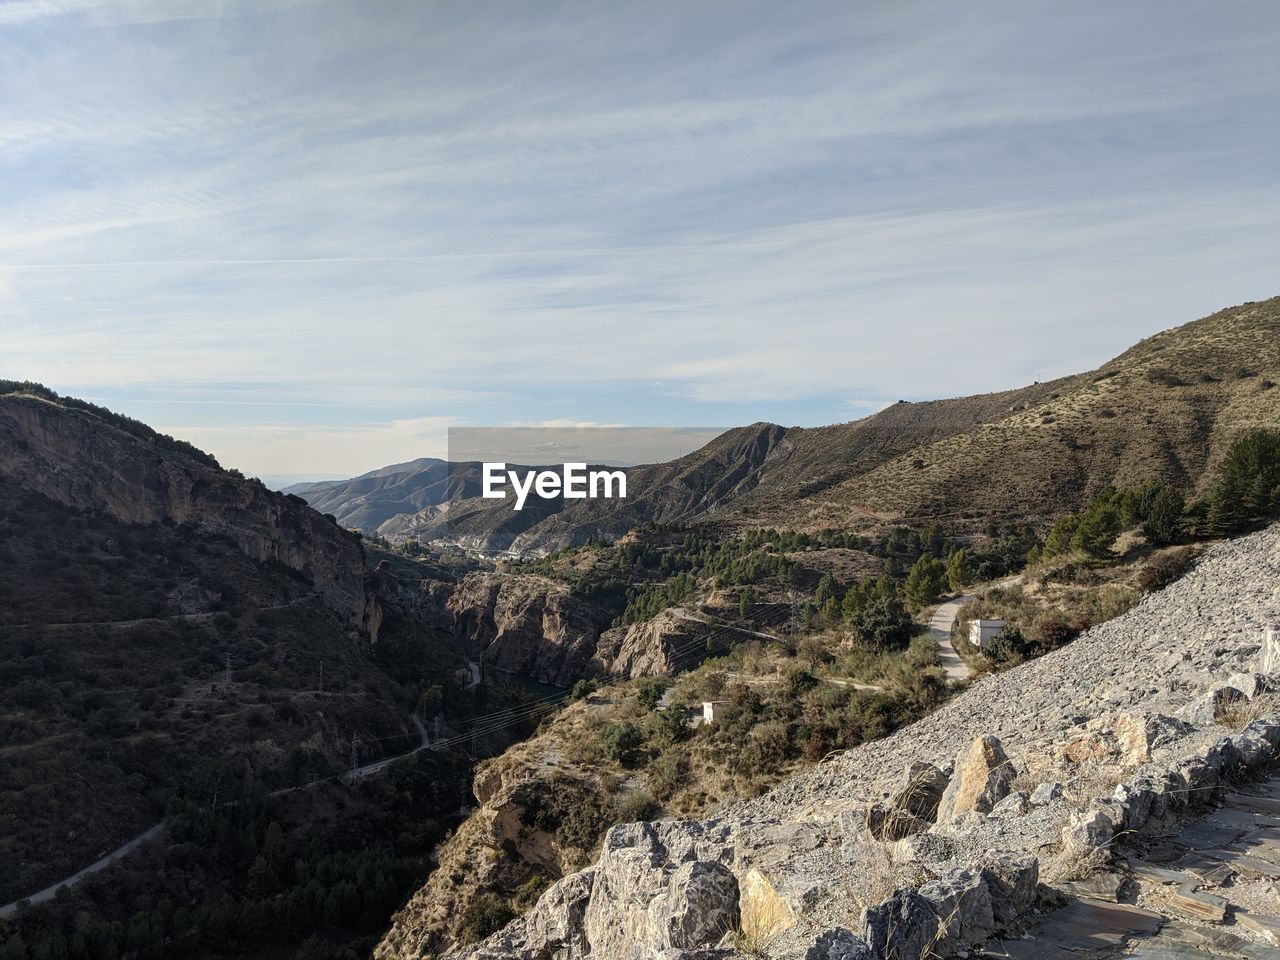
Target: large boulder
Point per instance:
(982, 778)
(659, 887)
(1011, 879)
(912, 805)
(1127, 738)
(557, 921)
(962, 901)
(904, 927)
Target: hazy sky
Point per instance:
(309, 236)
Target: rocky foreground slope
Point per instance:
(1026, 774)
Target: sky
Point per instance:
(312, 236)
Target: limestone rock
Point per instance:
(962, 901)
(904, 927)
(701, 903)
(838, 944)
(1208, 708)
(1011, 879)
(1046, 793)
(913, 804)
(982, 778)
(1089, 829)
(1014, 805)
(1269, 657)
(654, 890)
(557, 921)
(1135, 799)
(1127, 737)
(1250, 684)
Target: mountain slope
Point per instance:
(1164, 410)
(369, 500)
(164, 625)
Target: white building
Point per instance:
(980, 631)
(709, 708)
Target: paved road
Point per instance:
(48, 893)
(940, 624)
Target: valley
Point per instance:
(360, 736)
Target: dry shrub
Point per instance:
(1238, 714)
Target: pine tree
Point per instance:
(959, 571)
(925, 582)
(1162, 523)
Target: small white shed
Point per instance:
(709, 708)
(980, 631)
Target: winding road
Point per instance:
(51, 891)
(940, 624)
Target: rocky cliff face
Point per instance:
(665, 645)
(78, 460)
(535, 626)
(526, 624)
(1131, 718)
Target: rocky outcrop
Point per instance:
(82, 461)
(983, 775)
(536, 626)
(663, 646)
(526, 624)
(508, 841)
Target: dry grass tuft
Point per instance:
(1238, 714)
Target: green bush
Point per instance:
(668, 772)
(1247, 487)
(883, 624)
(621, 742)
(636, 806)
(650, 692)
(484, 915)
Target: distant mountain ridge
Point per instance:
(369, 500)
(1163, 410)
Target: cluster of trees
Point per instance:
(1157, 508)
(873, 611)
(1245, 492)
(254, 873)
(726, 562)
(1247, 488)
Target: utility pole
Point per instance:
(322, 676)
(226, 671)
(355, 755)
(437, 726)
